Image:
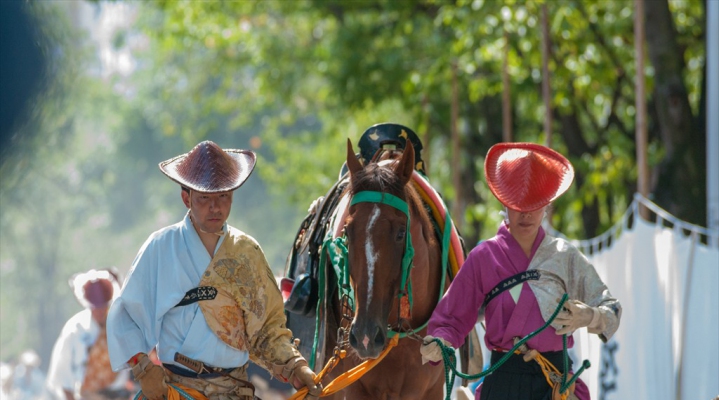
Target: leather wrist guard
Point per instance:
(140, 369)
(285, 371)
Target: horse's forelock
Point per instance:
(382, 178)
(377, 178)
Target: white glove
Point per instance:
(576, 315)
(430, 349)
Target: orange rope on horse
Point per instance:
(348, 377)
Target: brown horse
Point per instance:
(386, 212)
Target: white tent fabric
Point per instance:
(667, 280)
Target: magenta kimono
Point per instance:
(525, 308)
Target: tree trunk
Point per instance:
(49, 318)
(477, 143)
(571, 131)
(681, 185)
(640, 103)
(507, 135)
(546, 87)
(459, 205)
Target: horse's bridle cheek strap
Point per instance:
(401, 205)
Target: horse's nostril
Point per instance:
(379, 338)
(353, 340)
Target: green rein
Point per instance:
(450, 362)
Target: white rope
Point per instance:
(602, 242)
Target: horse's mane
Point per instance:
(381, 178)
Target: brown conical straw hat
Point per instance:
(526, 176)
(209, 169)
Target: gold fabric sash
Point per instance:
(247, 312)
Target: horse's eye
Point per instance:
(400, 234)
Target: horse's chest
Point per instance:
(399, 378)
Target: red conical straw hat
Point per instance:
(208, 168)
(526, 176)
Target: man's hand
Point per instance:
(152, 378)
(576, 315)
(303, 376)
(430, 350)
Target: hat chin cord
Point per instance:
(505, 216)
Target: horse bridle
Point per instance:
(391, 200)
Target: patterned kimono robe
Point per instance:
(245, 319)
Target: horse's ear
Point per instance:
(353, 163)
(405, 166)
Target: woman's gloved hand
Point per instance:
(430, 350)
(152, 378)
(576, 315)
(303, 376)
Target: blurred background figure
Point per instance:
(28, 380)
(5, 380)
(80, 364)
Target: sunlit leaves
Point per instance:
(338, 63)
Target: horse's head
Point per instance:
(377, 230)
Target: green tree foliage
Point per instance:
(80, 187)
(38, 169)
(321, 71)
(293, 80)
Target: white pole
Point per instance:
(712, 46)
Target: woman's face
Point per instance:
(525, 225)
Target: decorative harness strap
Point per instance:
(452, 248)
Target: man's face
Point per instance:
(209, 211)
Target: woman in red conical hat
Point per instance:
(518, 278)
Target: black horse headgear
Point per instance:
(377, 135)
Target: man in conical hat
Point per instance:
(202, 293)
(519, 277)
(80, 363)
